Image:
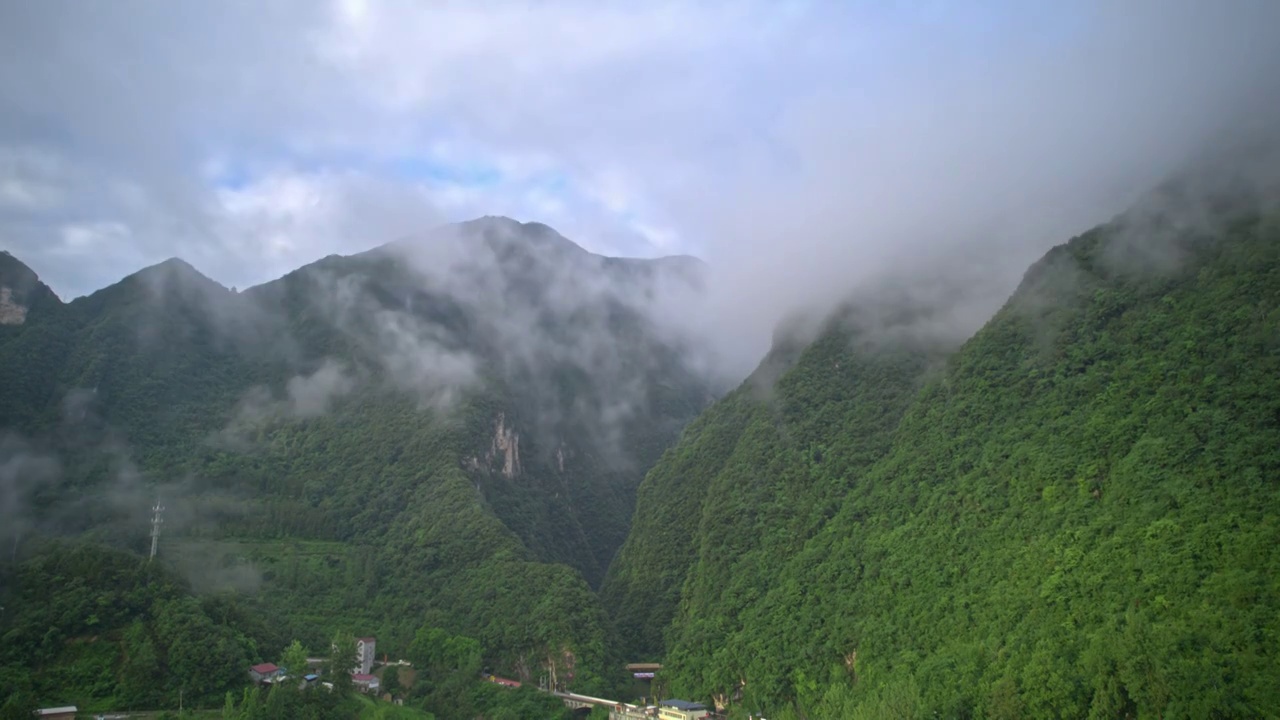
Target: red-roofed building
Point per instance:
(264, 672)
(366, 682)
(504, 682)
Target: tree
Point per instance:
(294, 659)
(341, 658)
(391, 680)
(19, 706)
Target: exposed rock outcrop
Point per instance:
(12, 312)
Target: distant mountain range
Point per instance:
(450, 442)
(448, 428)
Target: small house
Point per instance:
(681, 710)
(366, 682)
(67, 712)
(265, 672)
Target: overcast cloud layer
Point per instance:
(796, 146)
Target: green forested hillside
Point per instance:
(444, 432)
(1075, 517)
(750, 479)
(95, 623)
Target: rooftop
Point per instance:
(265, 668)
(682, 704)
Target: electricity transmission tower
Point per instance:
(155, 529)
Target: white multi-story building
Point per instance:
(364, 655)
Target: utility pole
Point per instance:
(155, 529)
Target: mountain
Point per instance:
(22, 295)
(1070, 515)
(445, 431)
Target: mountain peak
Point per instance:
(168, 279)
(174, 270)
(502, 230)
(13, 270)
(21, 290)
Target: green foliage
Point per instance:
(1075, 518)
(389, 509)
(287, 701)
(751, 480)
(294, 660)
(391, 681)
(496, 703)
(105, 629)
(18, 706)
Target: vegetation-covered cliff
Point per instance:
(444, 432)
(1074, 516)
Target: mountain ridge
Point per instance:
(461, 426)
(22, 291)
(1069, 517)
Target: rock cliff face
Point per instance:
(506, 444)
(11, 311)
(20, 291)
(503, 455)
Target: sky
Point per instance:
(795, 146)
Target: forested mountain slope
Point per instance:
(1075, 517)
(444, 431)
(751, 479)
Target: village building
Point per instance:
(633, 712)
(265, 672)
(366, 682)
(681, 710)
(67, 712)
(365, 648)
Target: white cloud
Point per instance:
(666, 240)
(286, 218)
(29, 179)
(797, 146)
(93, 238)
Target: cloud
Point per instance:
(305, 395)
(24, 472)
(310, 395)
(552, 322)
(282, 215)
(799, 148)
(36, 501)
(93, 238)
(29, 180)
(981, 156)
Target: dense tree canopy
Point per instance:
(362, 446)
(1073, 517)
